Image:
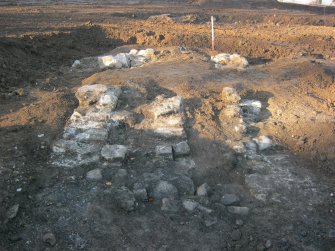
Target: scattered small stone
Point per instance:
(210, 221)
(238, 210)
(169, 205)
(181, 149)
(230, 200)
(114, 153)
(94, 175)
(331, 233)
(49, 238)
(190, 205)
(260, 247)
(125, 199)
(230, 96)
(239, 222)
(12, 212)
(236, 235)
(251, 145)
(268, 244)
(141, 194)
(164, 151)
(19, 92)
(121, 173)
(19, 189)
(203, 190)
(165, 189)
(184, 184)
(205, 209)
(40, 135)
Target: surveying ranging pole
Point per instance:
(212, 22)
(320, 3)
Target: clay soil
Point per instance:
(292, 72)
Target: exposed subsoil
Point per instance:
(292, 71)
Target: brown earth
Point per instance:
(292, 69)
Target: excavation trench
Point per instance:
(155, 194)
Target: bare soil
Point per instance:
(292, 70)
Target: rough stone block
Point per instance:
(109, 61)
(114, 153)
(94, 175)
(141, 194)
(243, 211)
(170, 205)
(184, 184)
(170, 132)
(96, 134)
(175, 120)
(190, 205)
(181, 149)
(165, 106)
(90, 94)
(164, 151)
(164, 189)
(230, 200)
(125, 199)
(72, 146)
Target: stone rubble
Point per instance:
(88, 128)
(87, 140)
(134, 58)
(233, 61)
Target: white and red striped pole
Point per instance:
(212, 19)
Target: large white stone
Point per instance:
(263, 142)
(108, 100)
(175, 120)
(124, 59)
(137, 61)
(253, 106)
(73, 146)
(109, 62)
(170, 132)
(96, 134)
(148, 53)
(230, 60)
(90, 94)
(166, 106)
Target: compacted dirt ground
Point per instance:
(285, 193)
